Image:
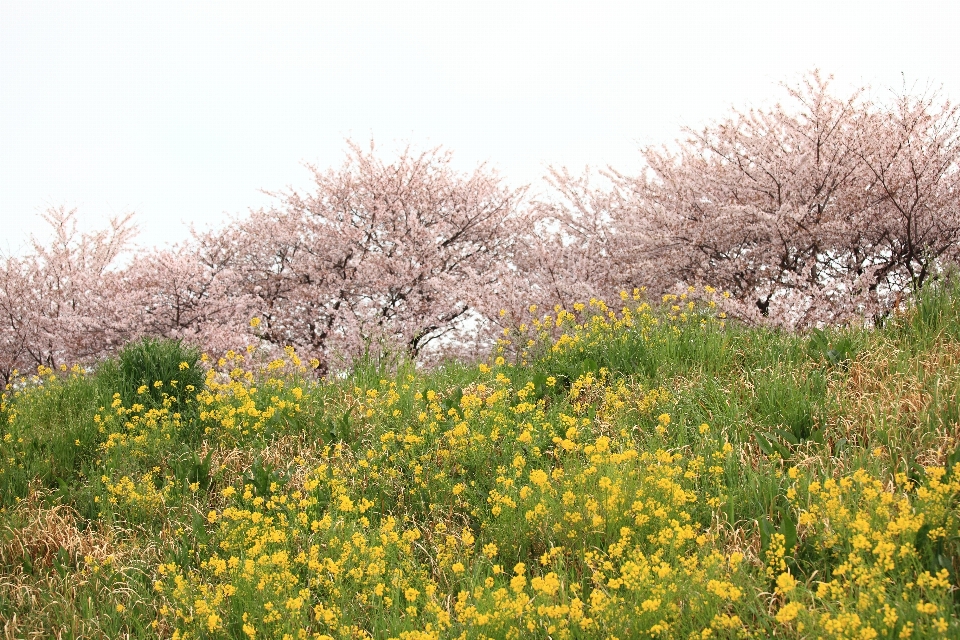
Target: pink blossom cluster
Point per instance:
(820, 210)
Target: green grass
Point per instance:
(662, 473)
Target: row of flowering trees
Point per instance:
(824, 209)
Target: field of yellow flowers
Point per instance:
(629, 471)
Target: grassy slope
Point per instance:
(654, 472)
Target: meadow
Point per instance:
(635, 468)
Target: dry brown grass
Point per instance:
(46, 535)
(892, 392)
(50, 569)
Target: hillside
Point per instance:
(647, 469)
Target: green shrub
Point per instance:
(151, 369)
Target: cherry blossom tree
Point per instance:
(822, 210)
(58, 302)
(566, 250)
(18, 334)
(381, 253)
(186, 293)
(911, 157)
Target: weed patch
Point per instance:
(655, 471)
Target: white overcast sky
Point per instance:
(184, 112)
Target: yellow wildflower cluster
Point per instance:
(612, 528)
(233, 407)
(564, 499)
(568, 332)
(885, 549)
(138, 499)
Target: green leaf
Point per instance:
(788, 527)
(766, 531)
(839, 446)
(775, 446)
(763, 443)
(786, 435)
